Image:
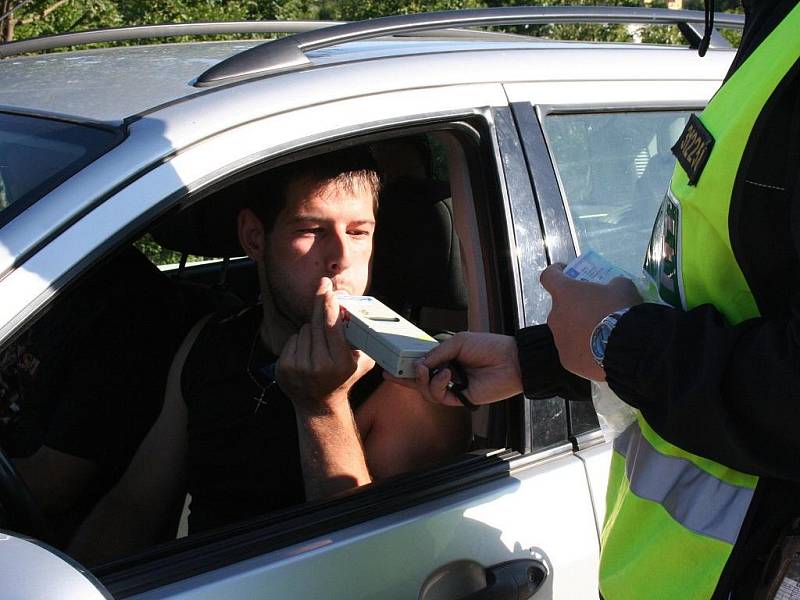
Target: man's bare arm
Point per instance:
(330, 452)
(316, 369)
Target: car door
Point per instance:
(600, 171)
(516, 513)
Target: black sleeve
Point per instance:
(731, 394)
(542, 373)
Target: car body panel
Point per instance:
(481, 524)
(597, 460)
(165, 73)
(40, 572)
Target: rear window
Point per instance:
(37, 154)
(614, 170)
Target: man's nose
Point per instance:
(338, 252)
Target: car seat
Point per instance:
(208, 228)
(417, 256)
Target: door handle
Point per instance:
(512, 580)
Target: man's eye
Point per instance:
(311, 231)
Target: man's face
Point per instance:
(325, 230)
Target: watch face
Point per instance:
(600, 339)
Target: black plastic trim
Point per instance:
(538, 430)
(555, 223)
(54, 116)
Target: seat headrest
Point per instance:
(417, 256)
(208, 227)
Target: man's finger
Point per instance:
(338, 345)
(287, 360)
(552, 277)
(304, 349)
(443, 353)
(319, 351)
(623, 284)
(440, 388)
(434, 389)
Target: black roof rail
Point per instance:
(289, 52)
(140, 32)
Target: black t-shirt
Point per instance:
(243, 458)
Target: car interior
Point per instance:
(421, 268)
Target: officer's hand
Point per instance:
(578, 306)
(488, 360)
(317, 366)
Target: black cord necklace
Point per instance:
(268, 371)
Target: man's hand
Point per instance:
(317, 366)
(489, 361)
(578, 306)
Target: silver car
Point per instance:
(546, 148)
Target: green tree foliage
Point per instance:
(44, 17)
(180, 11)
(156, 253)
(47, 17)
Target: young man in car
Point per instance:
(273, 407)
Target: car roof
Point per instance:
(112, 84)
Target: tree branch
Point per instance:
(45, 12)
(14, 8)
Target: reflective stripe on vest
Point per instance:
(672, 517)
(694, 498)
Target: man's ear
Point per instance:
(251, 234)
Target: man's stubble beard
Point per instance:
(280, 304)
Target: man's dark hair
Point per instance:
(348, 167)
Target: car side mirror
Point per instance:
(32, 569)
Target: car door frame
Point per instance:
(558, 229)
(487, 485)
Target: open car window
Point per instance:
(127, 318)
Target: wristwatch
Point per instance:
(600, 334)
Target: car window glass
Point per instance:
(614, 169)
(127, 317)
(37, 154)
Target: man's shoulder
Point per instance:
(219, 332)
(217, 346)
